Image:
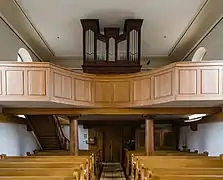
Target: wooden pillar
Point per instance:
(74, 137)
(149, 137)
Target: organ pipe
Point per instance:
(124, 46)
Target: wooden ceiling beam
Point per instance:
(207, 18)
(24, 29)
(111, 111)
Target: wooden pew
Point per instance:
(128, 159)
(95, 153)
(131, 168)
(79, 164)
(90, 169)
(130, 156)
(184, 177)
(154, 166)
(79, 171)
(69, 172)
(36, 178)
(93, 168)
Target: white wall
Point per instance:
(208, 138)
(15, 140)
(10, 44)
(82, 136)
(213, 43)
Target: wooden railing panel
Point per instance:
(178, 82)
(1, 82)
(62, 86)
(210, 81)
(187, 82)
(199, 83)
(163, 83)
(37, 82)
(14, 82)
(82, 90)
(121, 91)
(24, 83)
(103, 92)
(141, 89)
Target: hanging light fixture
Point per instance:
(195, 117)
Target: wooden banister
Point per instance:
(34, 133)
(63, 139)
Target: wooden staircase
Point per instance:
(48, 132)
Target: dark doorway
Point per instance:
(112, 144)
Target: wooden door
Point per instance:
(112, 144)
(140, 139)
(158, 139)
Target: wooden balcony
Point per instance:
(44, 85)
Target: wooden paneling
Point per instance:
(209, 81)
(187, 81)
(174, 85)
(103, 92)
(82, 90)
(163, 84)
(0, 82)
(142, 89)
(140, 139)
(121, 92)
(37, 83)
(62, 86)
(15, 82)
(66, 87)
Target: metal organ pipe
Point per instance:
(133, 45)
(101, 50)
(137, 46)
(89, 45)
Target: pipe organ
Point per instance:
(111, 50)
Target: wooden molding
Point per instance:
(110, 111)
(24, 29)
(208, 15)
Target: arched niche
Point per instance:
(23, 56)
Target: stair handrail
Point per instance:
(63, 139)
(33, 133)
(67, 143)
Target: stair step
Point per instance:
(46, 144)
(45, 130)
(51, 145)
(48, 138)
(48, 135)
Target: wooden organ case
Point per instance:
(111, 51)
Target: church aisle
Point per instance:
(112, 171)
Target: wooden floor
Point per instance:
(112, 171)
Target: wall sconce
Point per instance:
(92, 141)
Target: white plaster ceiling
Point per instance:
(58, 21)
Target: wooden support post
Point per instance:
(149, 137)
(74, 137)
